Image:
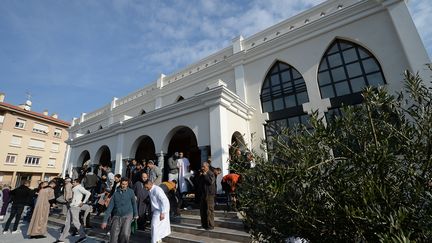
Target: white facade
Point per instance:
(222, 92)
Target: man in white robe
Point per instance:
(184, 172)
(160, 224)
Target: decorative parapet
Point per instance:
(207, 62)
(296, 22)
(141, 92)
(96, 113)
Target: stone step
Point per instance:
(177, 237)
(218, 213)
(217, 233)
(222, 222)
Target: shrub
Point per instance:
(361, 177)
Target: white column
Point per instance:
(412, 45)
(66, 160)
(119, 154)
(219, 138)
(240, 82)
(158, 103)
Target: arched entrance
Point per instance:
(103, 156)
(184, 140)
(144, 149)
(84, 156)
(237, 141)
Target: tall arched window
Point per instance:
(345, 69)
(282, 95)
(283, 88)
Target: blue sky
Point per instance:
(75, 56)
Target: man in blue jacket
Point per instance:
(123, 208)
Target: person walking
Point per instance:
(207, 188)
(67, 195)
(39, 220)
(184, 173)
(5, 199)
(173, 167)
(160, 224)
(155, 173)
(143, 201)
(123, 207)
(78, 192)
(20, 197)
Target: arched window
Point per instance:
(283, 88)
(282, 95)
(345, 69)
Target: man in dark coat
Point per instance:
(20, 197)
(207, 188)
(143, 201)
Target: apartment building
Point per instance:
(32, 144)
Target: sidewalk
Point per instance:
(51, 236)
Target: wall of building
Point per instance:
(21, 151)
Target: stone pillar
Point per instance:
(119, 154)
(158, 103)
(219, 139)
(239, 75)
(66, 161)
(13, 180)
(240, 82)
(412, 45)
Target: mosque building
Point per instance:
(315, 61)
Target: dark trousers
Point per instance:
(16, 212)
(207, 211)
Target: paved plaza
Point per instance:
(51, 236)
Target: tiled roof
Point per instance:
(37, 115)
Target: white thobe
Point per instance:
(160, 204)
(183, 165)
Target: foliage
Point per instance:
(361, 177)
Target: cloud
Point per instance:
(421, 11)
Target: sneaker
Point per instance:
(82, 239)
(16, 232)
(5, 232)
(58, 241)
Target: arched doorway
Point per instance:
(184, 140)
(103, 156)
(84, 156)
(237, 141)
(144, 149)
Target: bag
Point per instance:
(134, 226)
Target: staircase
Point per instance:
(185, 228)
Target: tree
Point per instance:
(363, 176)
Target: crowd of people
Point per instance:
(139, 197)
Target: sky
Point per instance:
(75, 56)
